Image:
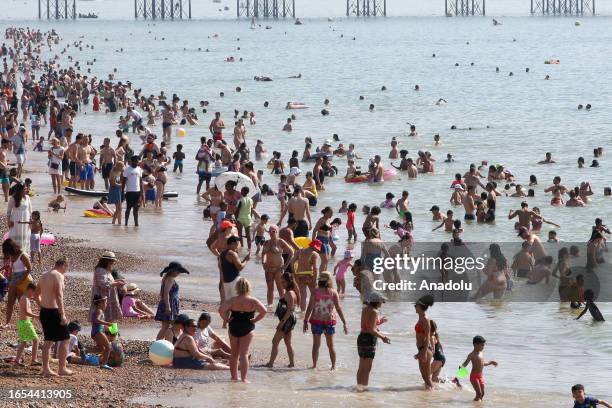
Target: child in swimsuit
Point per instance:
(350, 222)
(259, 233)
(97, 330)
(388, 203)
(476, 357)
(582, 401)
(340, 271)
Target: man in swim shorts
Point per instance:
(298, 209)
(50, 291)
(216, 127)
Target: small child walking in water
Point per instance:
(476, 357)
(259, 233)
(340, 270)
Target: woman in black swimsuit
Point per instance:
(285, 311)
(239, 311)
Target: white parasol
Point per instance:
(240, 179)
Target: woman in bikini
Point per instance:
(323, 232)
(273, 263)
(306, 270)
(231, 197)
(239, 312)
(321, 313)
(422, 329)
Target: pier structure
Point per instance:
(454, 8)
(366, 8)
(57, 9)
(265, 8)
(162, 9)
(562, 7)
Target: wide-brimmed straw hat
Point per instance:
(132, 288)
(109, 255)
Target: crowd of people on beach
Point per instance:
(296, 248)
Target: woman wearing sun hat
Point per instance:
(169, 305)
(104, 285)
(132, 306)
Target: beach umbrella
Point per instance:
(240, 179)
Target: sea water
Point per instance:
(541, 350)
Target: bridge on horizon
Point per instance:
(181, 9)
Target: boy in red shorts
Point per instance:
(476, 357)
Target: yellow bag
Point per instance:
(23, 284)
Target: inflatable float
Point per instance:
(93, 213)
(388, 174)
(296, 105)
(45, 239)
(102, 193)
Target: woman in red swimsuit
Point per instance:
(423, 339)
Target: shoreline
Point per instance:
(90, 384)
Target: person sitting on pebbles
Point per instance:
(133, 306)
(56, 204)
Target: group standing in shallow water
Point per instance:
(298, 272)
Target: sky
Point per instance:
(123, 9)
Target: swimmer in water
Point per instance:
(548, 159)
(476, 357)
(591, 307)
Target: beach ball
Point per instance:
(160, 352)
(180, 132)
(302, 242)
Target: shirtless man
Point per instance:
(226, 153)
(548, 159)
(107, 160)
(523, 261)
(468, 204)
(298, 209)
(401, 206)
(411, 169)
(472, 178)
(66, 123)
(239, 134)
(524, 216)
(436, 215)
(274, 264)
(50, 294)
(4, 170)
(534, 241)
(306, 270)
(447, 222)
(85, 164)
(216, 127)
(71, 151)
